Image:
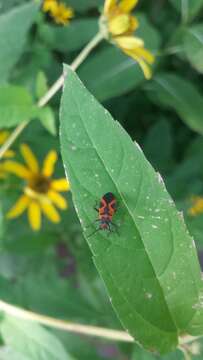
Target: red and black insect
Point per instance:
(106, 211)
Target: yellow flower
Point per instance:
(41, 193)
(58, 11)
(49, 5)
(120, 26)
(197, 207)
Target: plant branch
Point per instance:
(75, 64)
(65, 325)
(95, 331)
(18, 130)
(53, 90)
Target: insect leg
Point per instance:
(115, 227)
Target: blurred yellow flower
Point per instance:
(120, 28)
(197, 206)
(58, 11)
(49, 5)
(41, 193)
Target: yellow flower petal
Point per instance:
(50, 211)
(62, 14)
(197, 207)
(29, 158)
(19, 207)
(108, 6)
(9, 154)
(128, 42)
(60, 185)
(2, 172)
(145, 68)
(49, 163)
(58, 200)
(16, 168)
(34, 215)
(144, 54)
(49, 5)
(127, 5)
(3, 136)
(134, 24)
(119, 24)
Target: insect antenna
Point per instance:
(93, 232)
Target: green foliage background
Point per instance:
(52, 272)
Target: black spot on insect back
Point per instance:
(108, 197)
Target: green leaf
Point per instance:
(15, 106)
(150, 268)
(82, 347)
(117, 73)
(32, 340)
(71, 37)
(188, 8)
(41, 84)
(193, 46)
(6, 353)
(47, 118)
(140, 354)
(172, 91)
(2, 227)
(159, 137)
(110, 73)
(81, 5)
(14, 27)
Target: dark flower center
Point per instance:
(39, 184)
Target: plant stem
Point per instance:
(18, 130)
(75, 64)
(185, 353)
(65, 325)
(95, 331)
(53, 90)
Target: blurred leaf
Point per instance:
(14, 27)
(81, 5)
(172, 91)
(6, 353)
(48, 120)
(153, 295)
(32, 340)
(50, 294)
(195, 226)
(117, 73)
(2, 227)
(71, 37)
(185, 179)
(188, 8)
(41, 287)
(41, 84)
(159, 137)
(109, 73)
(88, 348)
(141, 354)
(193, 46)
(16, 105)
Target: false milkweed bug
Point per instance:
(106, 211)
